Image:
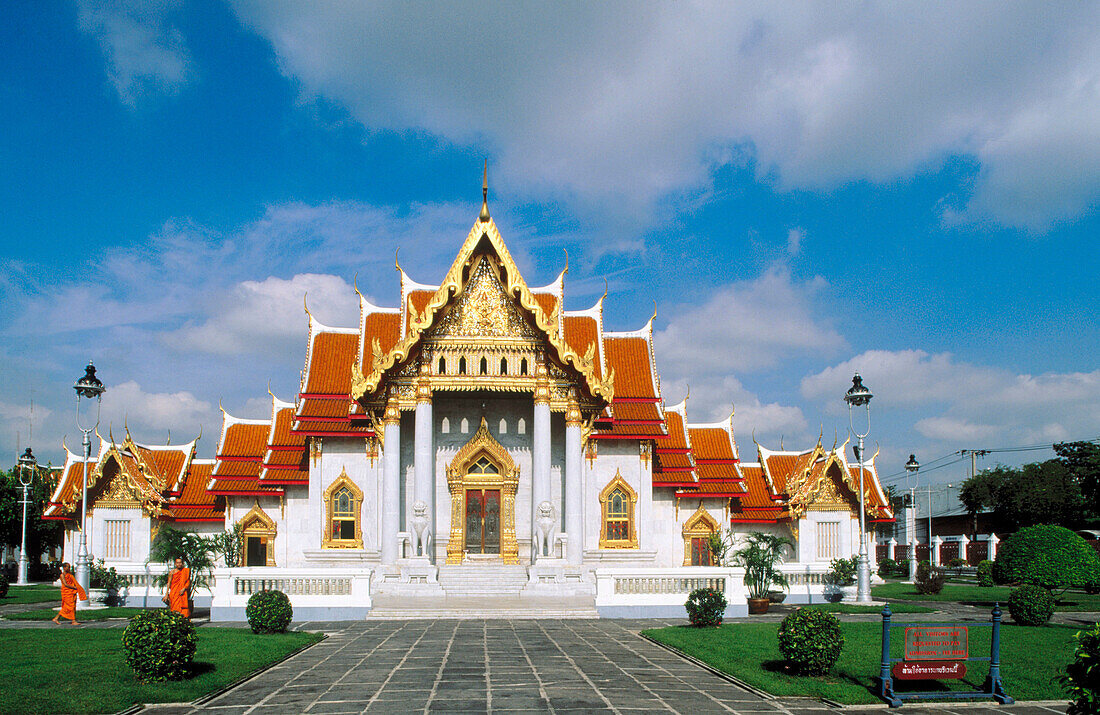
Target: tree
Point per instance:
(42, 534)
(1037, 493)
(1082, 461)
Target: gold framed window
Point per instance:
(343, 507)
(617, 502)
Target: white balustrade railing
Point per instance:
(654, 587)
(331, 588)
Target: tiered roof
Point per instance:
(165, 480)
(240, 458)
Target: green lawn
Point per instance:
(1030, 657)
(93, 614)
(36, 593)
(79, 670)
(978, 596)
(856, 608)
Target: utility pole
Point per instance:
(974, 454)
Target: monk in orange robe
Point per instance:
(178, 594)
(70, 590)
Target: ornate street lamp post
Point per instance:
(88, 387)
(860, 396)
(911, 468)
(27, 467)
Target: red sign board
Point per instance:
(929, 670)
(936, 643)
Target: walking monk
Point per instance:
(70, 589)
(178, 593)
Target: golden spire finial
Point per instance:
(566, 261)
(484, 216)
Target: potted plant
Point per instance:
(840, 580)
(105, 584)
(760, 556)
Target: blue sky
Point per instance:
(804, 190)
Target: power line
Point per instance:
(959, 455)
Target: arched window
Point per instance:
(484, 366)
(523, 366)
(617, 502)
(343, 503)
(521, 426)
(504, 366)
(503, 427)
(464, 426)
(442, 366)
(445, 426)
(462, 365)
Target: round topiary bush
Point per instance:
(985, 573)
(159, 645)
(1031, 605)
(1049, 556)
(269, 612)
(705, 607)
(810, 641)
(4, 585)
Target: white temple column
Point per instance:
(391, 481)
(540, 451)
(574, 501)
(423, 521)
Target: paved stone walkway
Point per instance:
(557, 666)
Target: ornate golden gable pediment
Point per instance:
(484, 300)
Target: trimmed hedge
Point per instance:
(159, 645)
(985, 573)
(269, 612)
(4, 584)
(706, 607)
(810, 641)
(887, 567)
(1031, 605)
(1049, 556)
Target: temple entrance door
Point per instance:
(483, 521)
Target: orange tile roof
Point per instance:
(317, 407)
(384, 326)
(665, 462)
(630, 359)
(417, 302)
(713, 489)
(636, 412)
(672, 479)
(548, 302)
(758, 496)
(709, 443)
(240, 486)
(237, 468)
(245, 439)
(677, 436)
(194, 491)
(330, 363)
(580, 332)
(718, 472)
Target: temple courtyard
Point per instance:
(504, 665)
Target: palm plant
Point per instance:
(229, 545)
(761, 556)
(196, 551)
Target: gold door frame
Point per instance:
(459, 480)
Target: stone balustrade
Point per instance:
(315, 594)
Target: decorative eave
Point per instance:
(645, 333)
(315, 328)
(367, 382)
(596, 313)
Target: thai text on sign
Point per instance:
(929, 670)
(936, 643)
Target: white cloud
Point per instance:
(145, 53)
(150, 415)
(795, 236)
(268, 314)
(747, 325)
(976, 404)
(601, 101)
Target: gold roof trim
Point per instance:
(364, 383)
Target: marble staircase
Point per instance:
(472, 579)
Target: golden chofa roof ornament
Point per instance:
(484, 215)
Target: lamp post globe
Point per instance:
(88, 387)
(859, 396)
(28, 465)
(911, 469)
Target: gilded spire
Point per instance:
(484, 216)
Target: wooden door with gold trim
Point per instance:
(483, 521)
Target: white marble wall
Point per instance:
(340, 455)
